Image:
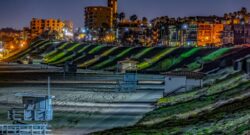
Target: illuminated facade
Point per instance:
(113, 5)
(14, 40)
(101, 16)
(209, 34)
(68, 30)
(183, 35)
(39, 26)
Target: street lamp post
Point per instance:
(184, 33)
(162, 32)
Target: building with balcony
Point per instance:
(241, 34)
(210, 34)
(39, 26)
(97, 17)
(183, 35)
(236, 34)
(228, 35)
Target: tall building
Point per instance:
(39, 26)
(113, 5)
(97, 17)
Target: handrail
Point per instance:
(174, 91)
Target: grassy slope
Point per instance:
(62, 54)
(25, 52)
(142, 53)
(91, 61)
(168, 61)
(183, 56)
(212, 56)
(153, 60)
(107, 62)
(78, 52)
(52, 53)
(222, 108)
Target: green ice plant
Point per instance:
(78, 52)
(91, 61)
(156, 58)
(55, 51)
(185, 55)
(211, 57)
(94, 50)
(107, 62)
(62, 54)
(210, 90)
(226, 126)
(143, 52)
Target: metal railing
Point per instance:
(24, 129)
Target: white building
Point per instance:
(182, 81)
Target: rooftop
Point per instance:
(33, 95)
(188, 74)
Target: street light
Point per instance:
(184, 28)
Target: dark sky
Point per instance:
(18, 13)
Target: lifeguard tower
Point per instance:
(129, 82)
(36, 109)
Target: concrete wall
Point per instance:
(180, 84)
(174, 82)
(192, 83)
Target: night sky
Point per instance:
(18, 13)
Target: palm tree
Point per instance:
(144, 20)
(243, 11)
(133, 18)
(121, 16)
(226, 15)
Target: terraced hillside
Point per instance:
(152, 59)
(221, 107)
(34, 47)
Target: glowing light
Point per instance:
(68, 33)
(185, 26)
(207, 38)
(12, 47)
(21, 45)
(83, 30)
